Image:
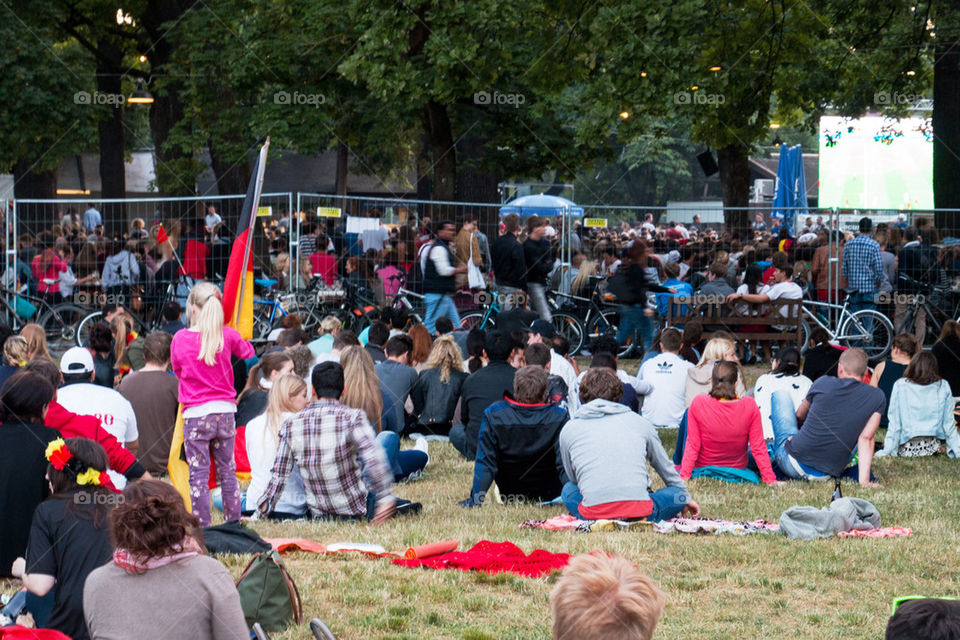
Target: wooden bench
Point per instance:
(717, 314)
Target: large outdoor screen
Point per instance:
(876, 163)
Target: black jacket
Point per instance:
(820, 361)
(509, 264)
(518, 449)
(538, 256)
(481, 389)
(948, 362)
(919, 262)
(434, 402)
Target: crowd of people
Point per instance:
(330, 425)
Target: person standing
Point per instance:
(509, 265)
(863, 268)
(200, 357)
(919, 262)
(537, 255)
(636, 314)
(467, 250)
(439, 275)
(92, 219)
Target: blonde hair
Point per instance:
(605, 598)
(208, 318)
(361, 388)
(284, 389)
(716, 349)
(36, 339)
(446, 355)
(330, 324)
(16, 350)
(120, 326)
(587, 268)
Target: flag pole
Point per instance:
(251, 227)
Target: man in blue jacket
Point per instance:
(518, 444)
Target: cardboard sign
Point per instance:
(595, 222)
(264, 212)
(328, 212)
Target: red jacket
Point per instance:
(72, 425)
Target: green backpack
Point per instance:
(268, 594)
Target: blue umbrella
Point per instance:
(541, 205)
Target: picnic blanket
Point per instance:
(714, 526)
(569, 523)
(494, 557)
(288, 545)
(885, 532)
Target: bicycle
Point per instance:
(866, 329)
(59, 321)
(935, 316)
(147, 324)
(596, 320)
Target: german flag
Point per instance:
(238, 288)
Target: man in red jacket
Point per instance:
(72, 425)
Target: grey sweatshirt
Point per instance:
(605, 448)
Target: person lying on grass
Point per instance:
(839, 415)
(518, 443)
(605, 448)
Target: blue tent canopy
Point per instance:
(541, 205)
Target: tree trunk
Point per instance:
(343, 167)
(167, 109)
(232, 176)
(443, 154)
(946, 127)
(113, 182)
(734, 164)
(476, 185)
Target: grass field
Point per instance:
(717, 587)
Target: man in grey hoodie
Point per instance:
(605, 449)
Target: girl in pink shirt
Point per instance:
(720, 427)
(200, 357)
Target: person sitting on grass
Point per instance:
(68, 537)
(839, 415)
(539, 354)
(518, 443)
(334, 449)
(927, 618)
(667, 373)
(784, 376)
(605, 448)
(921, 412)
(820, 357)
(889, 371)
(720, 427)
(604, 598)
(436, 393)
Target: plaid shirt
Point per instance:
(334, 449)
(862, 264)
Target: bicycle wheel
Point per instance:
(475, 321)
(868, 330)
(83, 327)
(608, 323)
(60, 324)
(569, 327)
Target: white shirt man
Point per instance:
(783, 288)
(92, 219)
(542, 331)
(79, 395)
(667, 373)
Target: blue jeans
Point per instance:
(633, 320)
(783, 416)
(538, 300)
(439, 305)
(668, 502)
(863, 300)
(402, 463)
(681, 440)
(38, 606)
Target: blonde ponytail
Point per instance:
(208, 318)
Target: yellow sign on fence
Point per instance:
(328, 212)
(594, 222)
(264, 212)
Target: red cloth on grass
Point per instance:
(495, 557)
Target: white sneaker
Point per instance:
(421, 444)
(415, 436)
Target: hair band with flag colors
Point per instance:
(238, 288)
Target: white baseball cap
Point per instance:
(76, 360)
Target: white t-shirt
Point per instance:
(262, 451)
(786, 290)
(113, 410)
(767, 384)
(560, 367)
(667, 373)
(374, 238)
(642, 387)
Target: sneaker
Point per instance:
(422, 444)
(409, 508)
(415, 436)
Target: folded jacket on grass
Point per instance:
(494, 557)
(844, 514)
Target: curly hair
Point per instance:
(600, 383)
(152, 520)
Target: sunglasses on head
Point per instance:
(899, 601)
